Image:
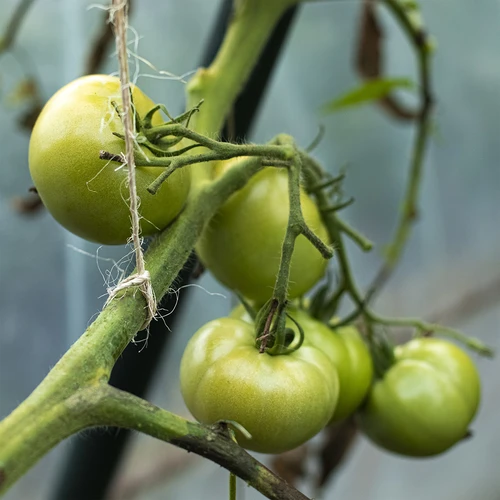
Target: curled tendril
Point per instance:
(296, 343)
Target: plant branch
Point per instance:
(362, 241)
(409, 212)
(296, 226)
(92, 357)
(102, 405)
(315, 176)
(424, 329)
(219, 85)
(120, 409)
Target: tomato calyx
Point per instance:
(158, 139)
(272, 335)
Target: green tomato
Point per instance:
(87, 195)
(242, 244)
(344, 347)
(356, 364)
(282, 401)
(424, 403)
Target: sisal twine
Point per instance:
(141, 279)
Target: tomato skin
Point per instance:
(283, 400)
(242, 244)
(356, 374)
(344, 347)
(83, 193)
(425, 402)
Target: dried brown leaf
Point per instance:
(369, 47)
(370, 60)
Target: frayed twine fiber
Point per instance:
(141, 279)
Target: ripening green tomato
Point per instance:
(282, 401)
(425, 401)
(344, 347)
(87, 195)
(242, 244)
(357, 372)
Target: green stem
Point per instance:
(121, 409)
(102, 405)
(429, 328)
(90, 360)
(26, 436)
(296, 227)
(219, 85)
(232, 486)
(418, 38)
(362, 241)
(220, 151)
(314, 175)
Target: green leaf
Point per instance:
(368, 91)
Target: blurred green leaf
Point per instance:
(370, 90)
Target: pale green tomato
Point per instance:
(424, 403)
(282, 401)
(87, 195)
(344, 347)
(242, 244)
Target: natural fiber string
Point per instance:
(141, 279)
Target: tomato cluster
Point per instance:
(420, 404)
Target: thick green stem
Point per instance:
(220, 84)
(102, 405)
(121, 409)
(91, 359)
(26, 437)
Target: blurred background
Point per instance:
(53, 283)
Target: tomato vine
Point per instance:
(75, 395)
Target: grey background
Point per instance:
(50, 291)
